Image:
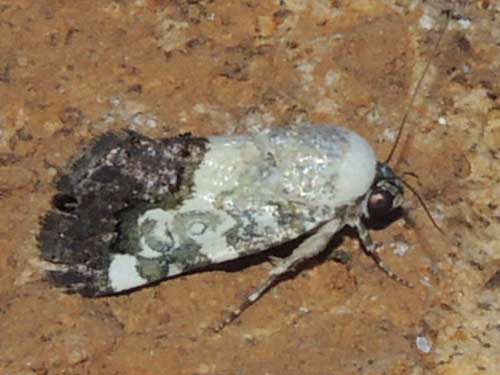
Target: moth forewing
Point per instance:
(180, 204)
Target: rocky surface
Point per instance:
(72, 71)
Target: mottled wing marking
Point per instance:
(114, 176)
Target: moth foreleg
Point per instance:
(371, 249)
(311, 247)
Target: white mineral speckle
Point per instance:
(303, 310)
(249, 338)
(326, 105)
(132, 112)
(254, 121)
(423, 344)
(426, 22)
(388, 135)
(144, 120)
(443, 120)
(123, 273)
(426, 281)
(400, 247)
(464, 23)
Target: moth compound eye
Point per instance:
(380, 203)
(64, 202)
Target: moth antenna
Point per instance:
(422, 203)
(411, 174)
(417, 88)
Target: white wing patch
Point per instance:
(252, 192)
(123, 273)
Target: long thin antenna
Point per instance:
(422, 203)
(417, 88)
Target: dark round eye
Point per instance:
(380, 203)
(64, 202)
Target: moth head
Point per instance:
(386, 193)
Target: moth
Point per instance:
(132, 211)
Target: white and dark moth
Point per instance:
(132, 210)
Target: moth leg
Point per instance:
(311, 247)
(406, 214)
(341, 256)
(274, 260)
(371, 249)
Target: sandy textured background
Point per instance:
(70, 71)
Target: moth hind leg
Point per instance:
(311, 247)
